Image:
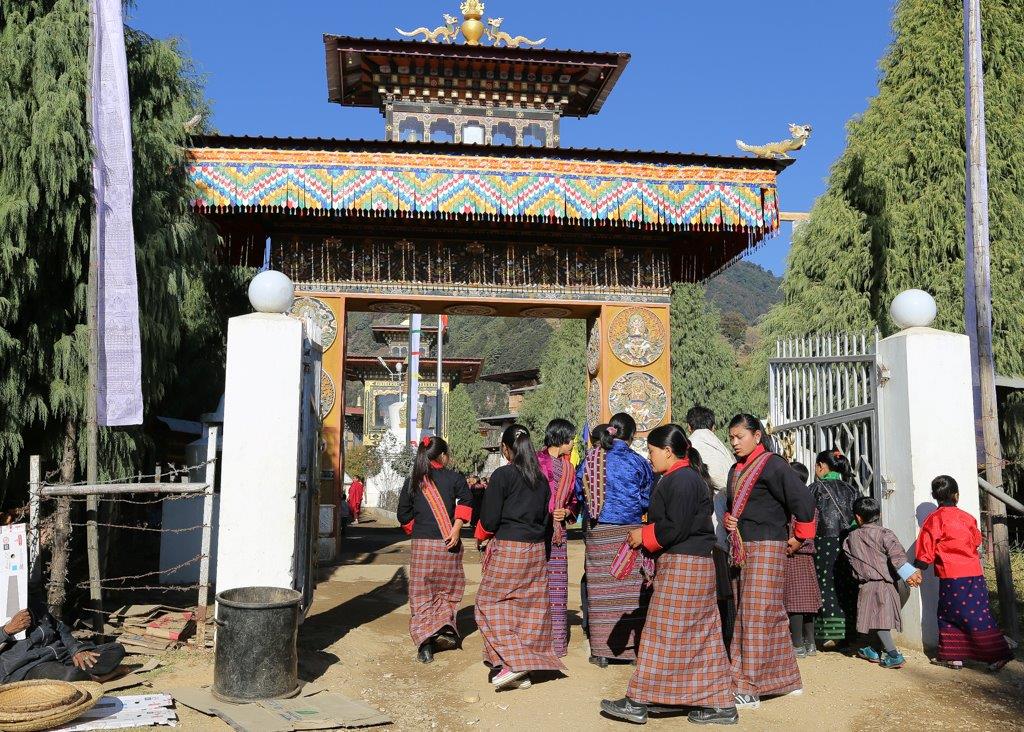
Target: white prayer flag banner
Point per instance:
(120, 358)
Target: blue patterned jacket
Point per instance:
(628, 482)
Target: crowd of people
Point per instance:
(711, 570)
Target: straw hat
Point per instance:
(27, 706)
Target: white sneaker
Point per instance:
(747, 701)
(505, 677)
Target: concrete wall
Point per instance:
(926, 427)
(260, 451)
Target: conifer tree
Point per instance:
(563, 381)
(893, 214)
(704, 369)
(45, 184)
(464, 438)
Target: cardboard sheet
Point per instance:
(315, 708)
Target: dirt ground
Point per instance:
(356, 639)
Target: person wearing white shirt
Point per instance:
(719, 460)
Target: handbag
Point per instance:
(626, 561)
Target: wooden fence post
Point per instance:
(210, 477)
(35, 565)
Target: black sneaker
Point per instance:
(625, 709)
(446, 640)
(801, 651)
(599, 661)
(426, 652)
(714, 715)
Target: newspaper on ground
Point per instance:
(127, 712)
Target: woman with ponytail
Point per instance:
(434, 504)
(764, 494)
(512, 610)
(561, 476)
(834, 496)
(614, 486)
(682, 660)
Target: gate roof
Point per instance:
(653, 191)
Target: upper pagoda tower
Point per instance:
(469, 82)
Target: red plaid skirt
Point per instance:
(682, 661)
(801, 593)
(763, 660)
(512, 608)
(436, 585)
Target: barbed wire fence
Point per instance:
(54, 528)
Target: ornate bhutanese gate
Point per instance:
(483, 229)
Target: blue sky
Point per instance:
(702, 73)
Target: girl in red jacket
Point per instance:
(950, 539)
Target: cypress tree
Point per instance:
(464, 438)
(704, 369)
(563, 381)
(893, 214)
(45, 200)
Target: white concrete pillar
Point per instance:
(926, 425)
(259, 479)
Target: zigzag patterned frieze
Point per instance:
(659, 194)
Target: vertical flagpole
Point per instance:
(412, 432)
(92, 390)
(438, 398)
(978, 275)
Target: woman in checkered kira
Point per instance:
(764, 493)
(512, 610)
(681, 662)
(433, 506)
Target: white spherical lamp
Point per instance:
(271, 292)
(913, 309)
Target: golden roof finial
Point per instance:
(472, 9)
(472, 28)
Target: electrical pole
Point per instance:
(978, 275)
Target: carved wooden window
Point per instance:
(535, 136)
(442, 130)
(410, 129)
(503, 134)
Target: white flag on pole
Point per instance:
(120, 358)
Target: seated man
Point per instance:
(49, 651)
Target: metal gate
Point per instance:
(823, 395)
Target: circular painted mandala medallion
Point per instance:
(470, 310)
(640, 395)
(328, 394)
(637, 337)
(594, 349)
(404, 308)
(546, 312)
(594, 403)
(316, 312)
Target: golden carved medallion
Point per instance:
(316, 312)
(640, 395)
(637, 337)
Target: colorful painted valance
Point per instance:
(560, 191)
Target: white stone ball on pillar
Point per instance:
(271, 292)
(913, 309)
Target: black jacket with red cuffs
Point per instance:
(778, 495)
(512, 509)
(414, 511)
(679, 519)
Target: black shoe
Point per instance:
(714, 715)
(426, 653)
(625, 709)
(446, 640)
(599, 661)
